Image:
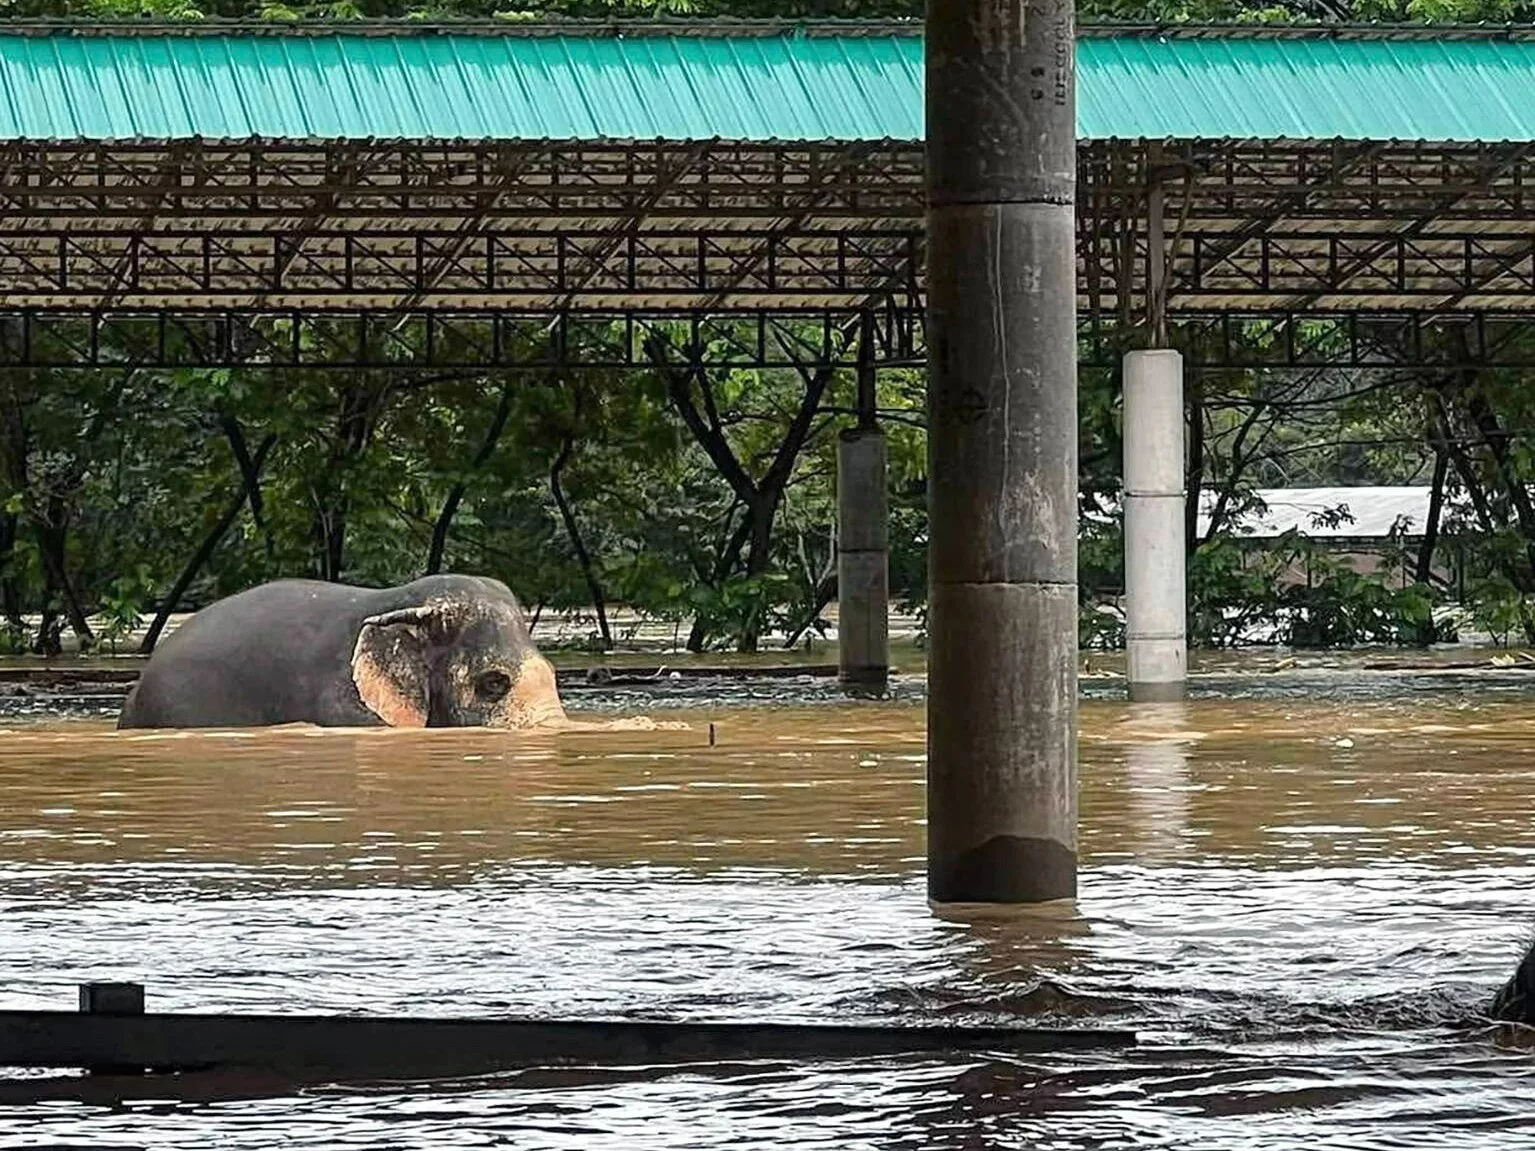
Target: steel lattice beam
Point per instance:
(618, 340)
(407, 182)
(173, 267)
(130, 233)
(487, 341)
(1223, 342)
(1276, 269)
(1324, 267)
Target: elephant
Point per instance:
(443, 651)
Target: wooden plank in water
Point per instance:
(347, 1046)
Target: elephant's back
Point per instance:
(277, 653)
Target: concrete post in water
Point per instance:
(863, 579)
(1155, 600)
(1002, 442)
(112, 998)
(863, 543)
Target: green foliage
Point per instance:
(127, 476)
(1341, 608)
(1233, 597)
(1099, 628)
(727, 608)
(1296, 594)
(122, 606)
(1500, 609)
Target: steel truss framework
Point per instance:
(537, 340)
(623, 340)
(568, 254)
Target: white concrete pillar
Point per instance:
(863, 561)
(1155, 579)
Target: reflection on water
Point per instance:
(1157, 779)
(1300, 904)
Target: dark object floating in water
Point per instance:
(111, 1034)
(1515, 1000)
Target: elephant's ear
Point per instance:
(389, 665)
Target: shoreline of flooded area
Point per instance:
(1302, 905)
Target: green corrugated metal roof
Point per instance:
(454, 87)
(749, 88)
(1316, 89)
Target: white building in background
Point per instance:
(1370, 527)
(1337, 514)
(1365, 525)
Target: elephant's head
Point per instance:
(458, 660)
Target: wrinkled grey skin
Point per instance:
(444, 651)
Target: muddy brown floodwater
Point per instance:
(1302, 905)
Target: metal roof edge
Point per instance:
(542, 26)
(730, 27)
(1380, 31)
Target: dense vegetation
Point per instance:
(128, 494)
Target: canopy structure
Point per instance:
(554, 195)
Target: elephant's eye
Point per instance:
(493, 685)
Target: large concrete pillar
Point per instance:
(1155, 599)
(1002, 442)
(863, 562)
